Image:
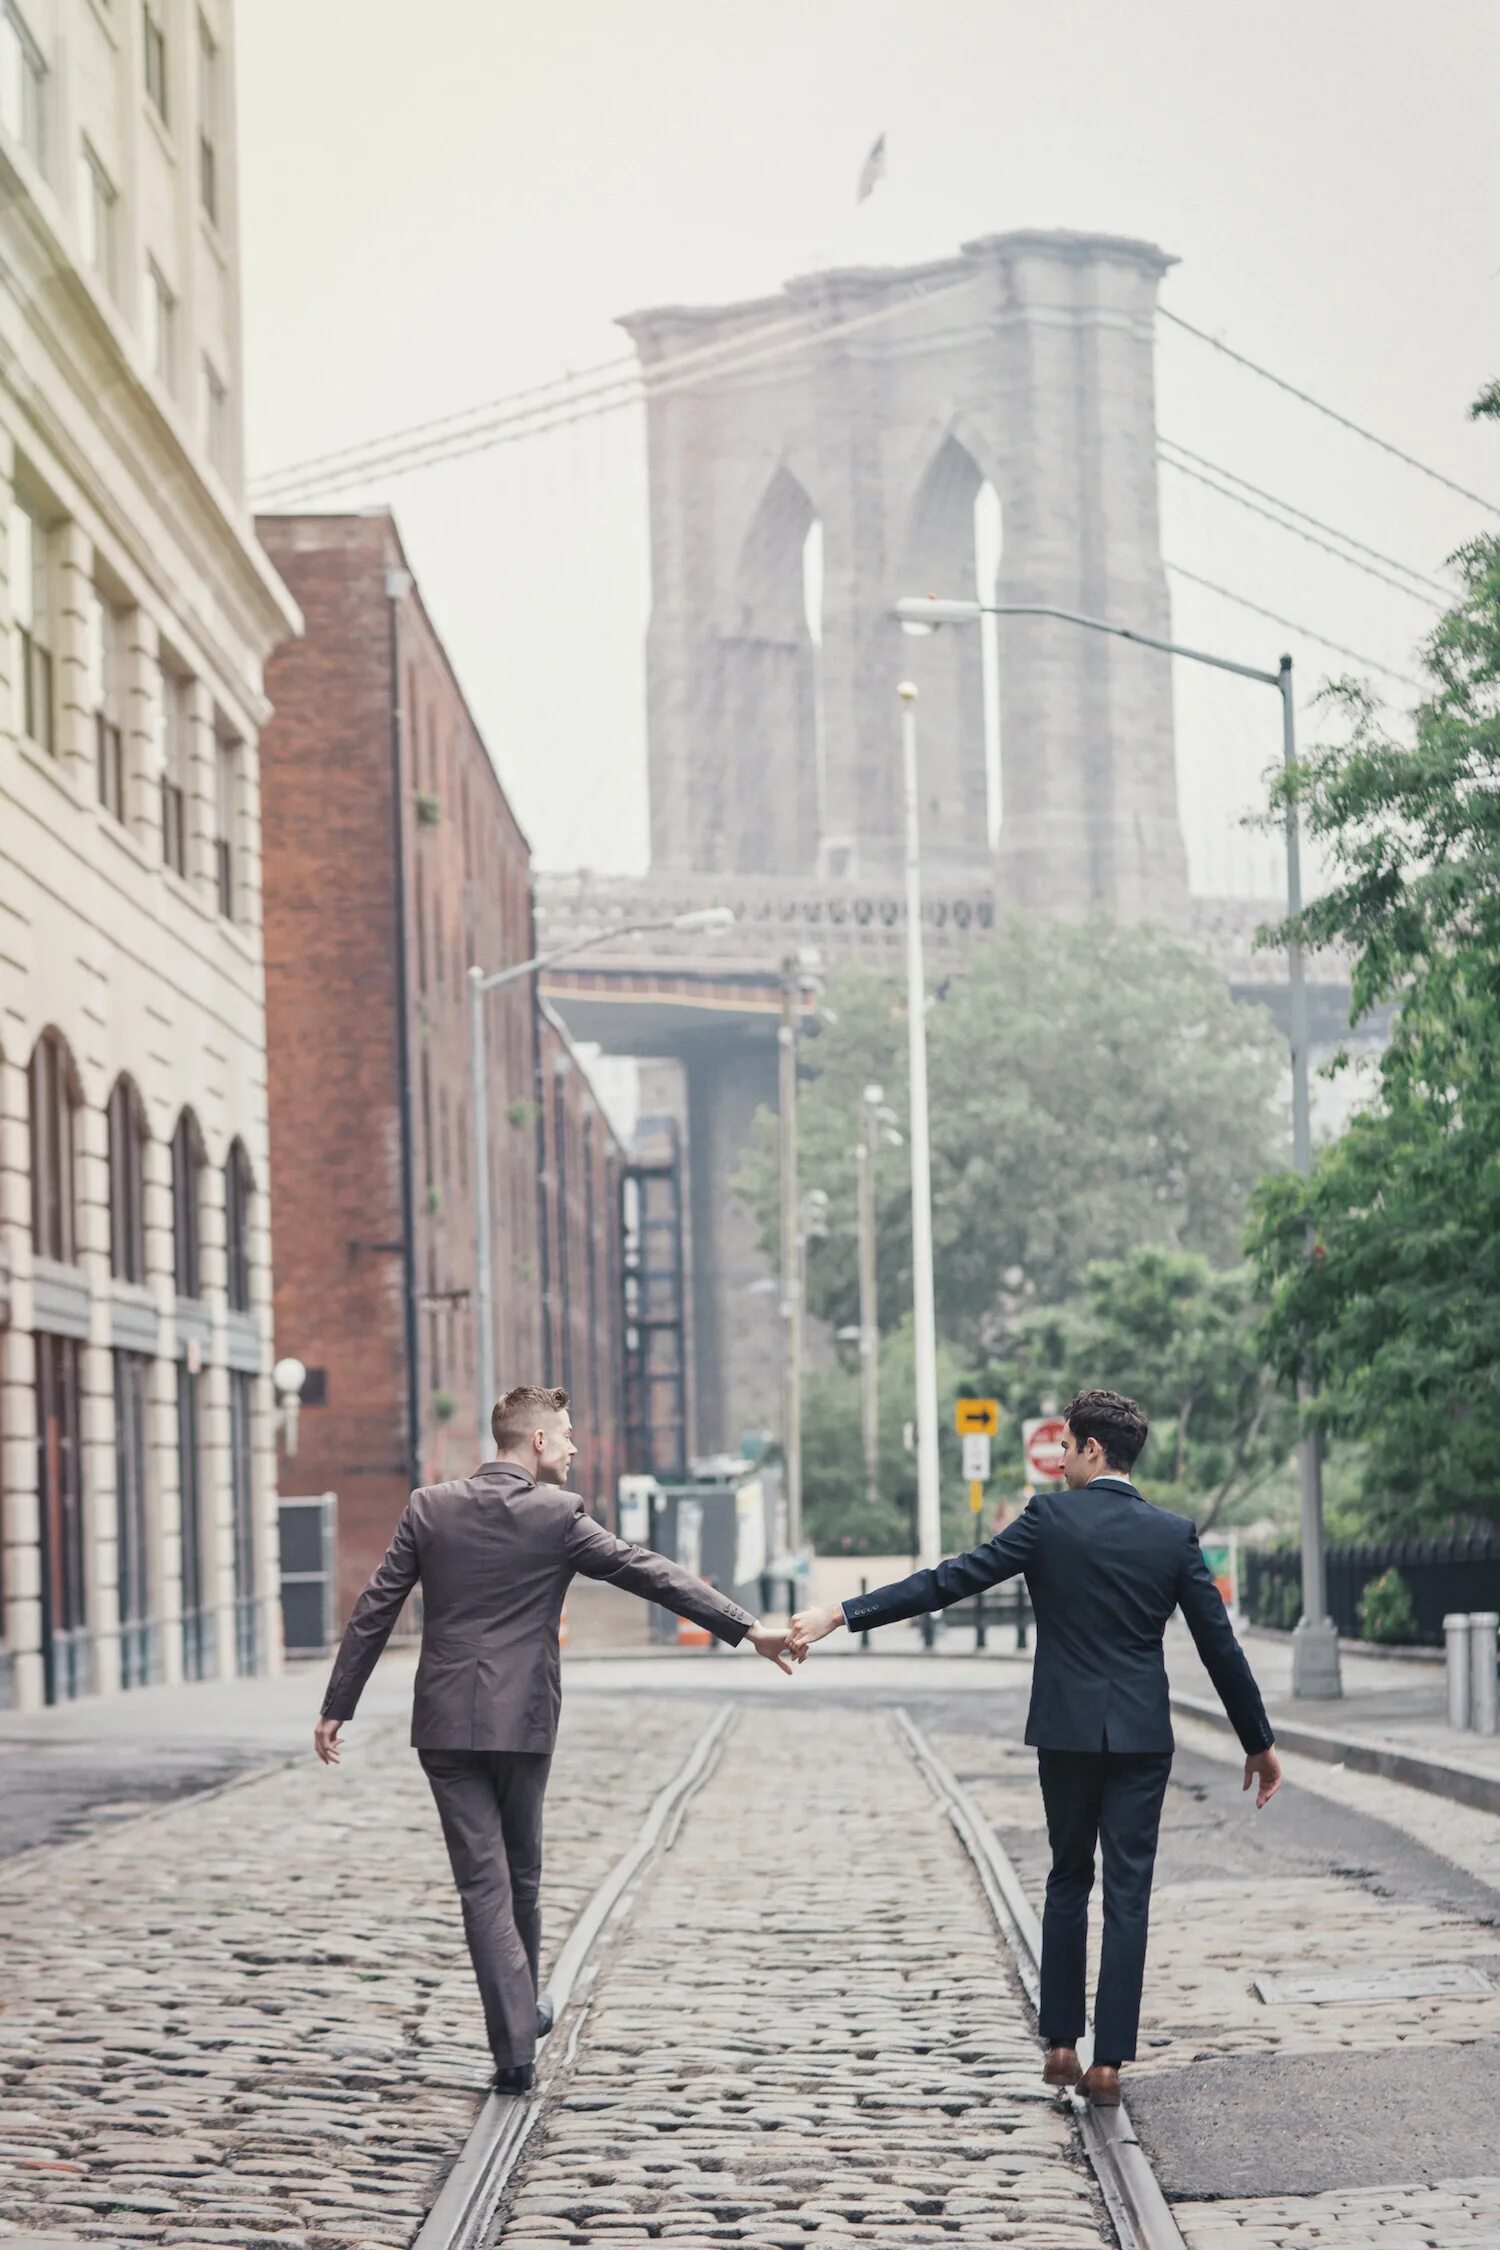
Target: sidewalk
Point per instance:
(68, 1770)
(1391, 1718)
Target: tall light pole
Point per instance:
(1315, 1646)
(796, 978)
(875, 1122)
(480, 986)
(924, 1305)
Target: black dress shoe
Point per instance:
(516, 2078)
(546, 2017)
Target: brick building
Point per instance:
(393, 863)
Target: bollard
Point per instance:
(1484, 1633)
(1460, 1683)
(864, 1587)
(979, 1625)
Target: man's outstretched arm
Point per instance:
(952, 1581)
(365, 1635)
(597, 1553)
(1226, 1664)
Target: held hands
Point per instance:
(772, 1643)
(1265, 1768)
(814, 1624)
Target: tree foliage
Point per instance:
(837, 1515)
(1168, 1328)
(1092, 1089)
(1401, 1295)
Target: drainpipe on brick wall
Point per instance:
(546, 1373)
(397, 585)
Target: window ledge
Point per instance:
(50, 768)
(160, 128)
(123, 837)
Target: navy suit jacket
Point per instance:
(1105, 1570)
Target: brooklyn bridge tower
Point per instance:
(983, 423)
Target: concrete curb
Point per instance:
(1440, 1777)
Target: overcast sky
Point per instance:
(442, 205)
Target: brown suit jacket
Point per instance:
(494, 1553)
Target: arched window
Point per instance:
(239, 1186)
(127, 1133)
(187, 1183)
(53, 1098)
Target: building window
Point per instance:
(67, 1664)
(22, 79)
(127, 1236)
(210, 103)
(53, 1219)
(133, 1549)
(104, 666)
(247, 1636)
(226, 791)
(174, 740)
(238, 1188)
(197, 1616)
(187, 1188)
(161, 326)
(215, 418)
(31, 614)
(96, 218)
(154, 44)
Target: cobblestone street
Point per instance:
(247, 2017)
(251, 2018)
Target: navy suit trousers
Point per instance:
(1109, 1800)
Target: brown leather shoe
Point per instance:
(1100, 2084)
(1061, 2067)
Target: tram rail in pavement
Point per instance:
(460, 2218)
(464, 2211)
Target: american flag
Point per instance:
(872, 171)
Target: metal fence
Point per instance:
(1439, 1574)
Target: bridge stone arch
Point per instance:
(767, 693)
(1031, 354)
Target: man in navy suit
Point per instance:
(1105, 1570)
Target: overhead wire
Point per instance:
(1435, 586)
(1345, 421)
(1290, 625)
(730, 355)
(1311, 538)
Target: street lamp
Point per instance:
(876, 1123)
(700, 918)
(799, 980)
(1315, 1646)
(924, 1305)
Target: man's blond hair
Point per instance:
(523, 1410)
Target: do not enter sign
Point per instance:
(1043, 1443)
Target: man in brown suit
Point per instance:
(494, 1553)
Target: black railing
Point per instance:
(1440, 1575)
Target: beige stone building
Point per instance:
(137, 1490)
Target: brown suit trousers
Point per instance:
(495, 1554)
(490, 1805)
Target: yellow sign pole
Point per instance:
(976, 1497)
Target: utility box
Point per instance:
(723, 1527)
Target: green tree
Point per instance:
(1401, 1295)
(1180, 1335)
(837, 1515)
(1092, 1089)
